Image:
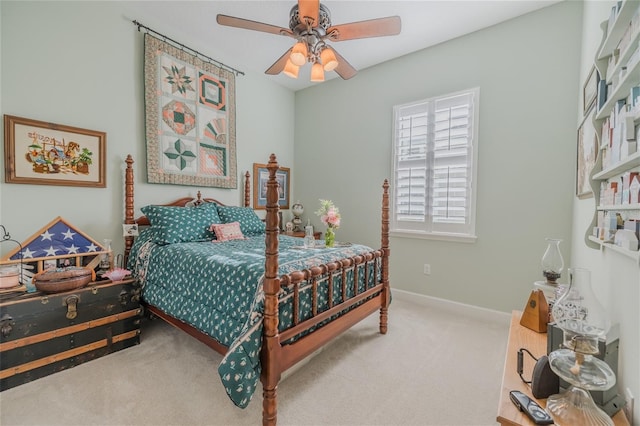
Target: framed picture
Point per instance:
(41, 153)
(590, 89)
(260, 178)
(587, 153)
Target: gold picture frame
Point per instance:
(41, 153)
(260, 178)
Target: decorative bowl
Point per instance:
(62, 280)
(116, 274)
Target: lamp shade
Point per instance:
(329, 60)
(317, 73)
(290, 69)
(299, 54)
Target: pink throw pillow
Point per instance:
(227, 231)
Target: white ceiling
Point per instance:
(424, 23)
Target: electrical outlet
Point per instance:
(427, 269)
(628, 407)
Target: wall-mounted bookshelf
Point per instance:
(616, 123)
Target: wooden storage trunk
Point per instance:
(41, 334)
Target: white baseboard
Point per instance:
(477, 312)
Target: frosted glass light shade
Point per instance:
(298, 54)
(317, 73)
(329, 60)
(290, 69)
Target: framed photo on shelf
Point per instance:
(260, 178)
(587, 153)
(41, 153)
(590, 89)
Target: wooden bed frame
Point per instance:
(277, 357)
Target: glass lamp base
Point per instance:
(576, 407)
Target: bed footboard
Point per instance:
(352, 305)
(336, 288)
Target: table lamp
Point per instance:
(583, 321)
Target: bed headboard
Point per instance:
(129, 218)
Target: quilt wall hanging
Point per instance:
(190, 118)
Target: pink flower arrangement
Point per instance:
(329, 214)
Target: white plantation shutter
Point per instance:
(434, 165)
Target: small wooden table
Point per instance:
(522, 337)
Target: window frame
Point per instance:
(425, 227)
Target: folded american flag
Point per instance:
(57, 239)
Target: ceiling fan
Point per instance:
(310, 25)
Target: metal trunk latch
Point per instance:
(6, 325)
(72, 306)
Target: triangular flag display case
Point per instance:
(58, 244)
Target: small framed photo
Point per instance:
(48, 264)
(130, 230)
(590, 89)
(66, 262)
(260, 179)
(41, 153)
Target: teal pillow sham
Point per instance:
(250, 223)
(182, 224)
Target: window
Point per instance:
(434, 162)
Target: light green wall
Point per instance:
(527, 71)
(615, 278)
(81, 64)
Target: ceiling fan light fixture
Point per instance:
(317, 72)
(310, 27)
(328, 59)
(291, 69)
(299, 54)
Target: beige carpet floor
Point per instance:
(434, 367)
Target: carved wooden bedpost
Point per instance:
(386, 293)
(270, 344)
(247, 189)
(128, 206)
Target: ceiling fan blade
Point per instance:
(364, 29)
(344, 68)
(278, 65)
(309, 8)
(247, 24)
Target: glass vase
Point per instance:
(329, 237)
(309, 239)
(105, 258)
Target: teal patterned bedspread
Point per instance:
(217, 288)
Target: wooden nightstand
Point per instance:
(522, 337)
(41, 334)
(300, 234)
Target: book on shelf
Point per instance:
(605, 133)
(611, 64)
(602, 93)
(634, 95)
